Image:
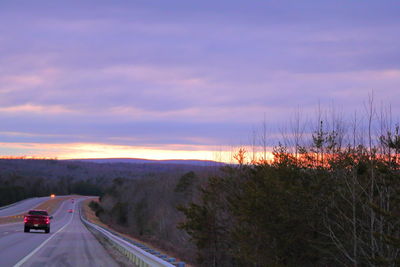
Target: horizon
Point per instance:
(218, 156)
(191, 80)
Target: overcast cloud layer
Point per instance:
(159, 73)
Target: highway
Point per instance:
(68, 244)
(22, 206)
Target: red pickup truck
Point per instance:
(37, 219)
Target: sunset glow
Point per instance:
(93, 151)
(172, 80)
(206, 133)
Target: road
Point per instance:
(22, 206)
(68, 244)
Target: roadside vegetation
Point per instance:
(330, 197)
(146, 209)
(25, 178)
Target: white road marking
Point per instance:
(26, 258)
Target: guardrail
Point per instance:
(136, 253)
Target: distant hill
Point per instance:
(149, 161)
(24, 178)
(99, 169)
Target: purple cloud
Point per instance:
(201, 73)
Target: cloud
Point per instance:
(28, 108)
(187, 73)
(92, 150)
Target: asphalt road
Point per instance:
(22, 206)
(68, 244)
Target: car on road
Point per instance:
(70, 211)
(37, 219)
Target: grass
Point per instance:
(91, 216)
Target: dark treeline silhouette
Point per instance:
(330, 197)
(25, 178)
(146, 208)
(293, 212)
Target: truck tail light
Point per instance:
(47, 220)
(25, 219)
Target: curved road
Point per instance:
(68, 244)
(22, 206)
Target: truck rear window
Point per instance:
(37, 212)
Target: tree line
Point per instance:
(329, 197)
(322, 201)
(25, 178)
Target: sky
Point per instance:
(184, 79)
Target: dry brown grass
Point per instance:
(11, 219)
(91, 216)
(89, 213)
(53, 204)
